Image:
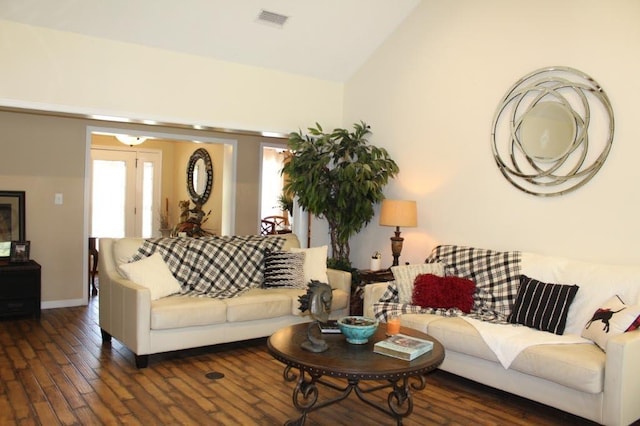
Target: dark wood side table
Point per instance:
(19, 288)
(367, 276)
(355, 364)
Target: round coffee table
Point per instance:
(354, 363)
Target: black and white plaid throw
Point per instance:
(496, 274)
(219, 267)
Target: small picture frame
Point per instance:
(20, 251)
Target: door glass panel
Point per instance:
(147, 199)
(108, 198)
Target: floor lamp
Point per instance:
(398, 213)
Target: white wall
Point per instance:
(430, 93)
(61, 71)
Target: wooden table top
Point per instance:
(350, 361)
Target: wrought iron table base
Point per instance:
(305, 394)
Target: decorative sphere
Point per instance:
(357, 329)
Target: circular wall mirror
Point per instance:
(547, 131)
(552, 131)
(200, 176)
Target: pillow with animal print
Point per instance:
(611, 319)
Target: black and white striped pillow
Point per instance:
(284, 270)
(542, 306)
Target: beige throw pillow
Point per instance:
(315, 263)
(405, 275)
(153, 273)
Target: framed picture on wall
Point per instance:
(12, 226)
(20, 251)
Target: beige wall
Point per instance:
(430, 93)
(214, 204)
(44, 155)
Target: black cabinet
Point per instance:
(19, 289)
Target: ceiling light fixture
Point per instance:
(131, 140)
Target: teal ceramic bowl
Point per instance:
(356, 329)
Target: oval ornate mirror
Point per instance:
(199, 176)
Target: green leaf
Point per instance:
(340, 177)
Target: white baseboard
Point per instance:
(52, 304)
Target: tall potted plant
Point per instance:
(340, 177)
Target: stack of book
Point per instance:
(330, 326)
(403, 347)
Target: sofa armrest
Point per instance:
(131, 315)
(372, 293)
(125, 307)
(340, 280)
(621, 381)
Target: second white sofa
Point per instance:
(579, 378)
(146, 326)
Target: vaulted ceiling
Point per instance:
(326, 39)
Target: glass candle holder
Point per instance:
(393, 326)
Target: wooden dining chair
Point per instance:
(271, 225)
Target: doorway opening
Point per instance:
(273, 200)
(160, 183)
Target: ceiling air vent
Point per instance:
(272, 18)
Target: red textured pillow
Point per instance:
(432, 291)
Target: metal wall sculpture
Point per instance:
(552, 131)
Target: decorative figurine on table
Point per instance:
(318, 302)
(191, 220)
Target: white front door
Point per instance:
(125, 193)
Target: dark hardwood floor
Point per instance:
(56, 371)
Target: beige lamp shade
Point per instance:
(398, 213)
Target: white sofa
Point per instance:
(579, 378)
(128, 313)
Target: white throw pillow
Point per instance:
(405, 276)
(611, 319)
(315, 263)
(153, 273)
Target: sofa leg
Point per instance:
(106, 337)
(142, 361)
